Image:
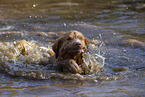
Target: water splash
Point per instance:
(27, 58)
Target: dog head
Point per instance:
(70, 45)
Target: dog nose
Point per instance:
(77, 44)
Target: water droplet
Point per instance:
(34, 5)
(64, 24)
(35, 16)
(114, 33)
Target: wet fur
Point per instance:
(69, 51)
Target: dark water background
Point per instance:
(111, 21)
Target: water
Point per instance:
(112, 22)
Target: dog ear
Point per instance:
(87, 42)
(57, 46)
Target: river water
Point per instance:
(118, 24)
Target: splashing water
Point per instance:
(26, 59)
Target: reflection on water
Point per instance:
(119, 25)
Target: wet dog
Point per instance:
(69, 50)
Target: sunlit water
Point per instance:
(119, 25)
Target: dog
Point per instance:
(69, 50)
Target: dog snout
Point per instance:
(77, 44)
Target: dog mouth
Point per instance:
(76, 51)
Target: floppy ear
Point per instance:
(86, 42)
(57, 46)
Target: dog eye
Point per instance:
(81, 38)
(69, 38)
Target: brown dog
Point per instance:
(69, 51)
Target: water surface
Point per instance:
(119, 25)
